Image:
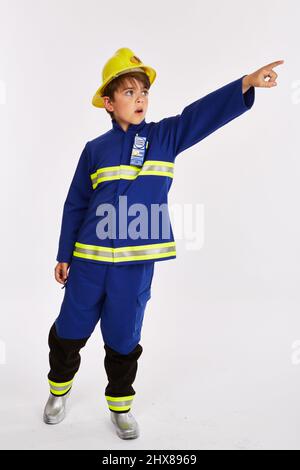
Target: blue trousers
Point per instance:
(117, 296)
(114, 294)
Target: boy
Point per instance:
(110, 260)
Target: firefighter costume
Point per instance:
(110, 278)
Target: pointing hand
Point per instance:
(257, 79)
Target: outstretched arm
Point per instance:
(204, 116)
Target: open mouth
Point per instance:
(139, 111)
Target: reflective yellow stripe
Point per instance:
(130, 397)
(119, 403)
(127, 253)
(59, 388)
(125, 248)
(157, 173)
(159, 162)
(128, 258)
(60, 392)
(114, 168)
(130, 172)
(119, 408)
(60, 384)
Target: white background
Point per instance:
(220, 367)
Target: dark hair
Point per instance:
(118, 82)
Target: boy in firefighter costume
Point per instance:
(107, 276)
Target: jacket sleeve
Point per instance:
(75, 207)
(204, 116)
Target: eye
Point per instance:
(131, 91)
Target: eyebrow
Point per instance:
(131, 88)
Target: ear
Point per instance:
(107, 103)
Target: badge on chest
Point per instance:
(138, 150)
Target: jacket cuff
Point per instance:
(248, 96)
(63, 258)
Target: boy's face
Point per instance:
(127, 100)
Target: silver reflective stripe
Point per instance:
(89, 251)
(123, 254)
(105, 174)
(94, 179)
(134, 172)
(117, 172)
(129, 172)
(119, 403)
(158, 168)
(59, 389)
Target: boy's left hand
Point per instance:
(257, 79)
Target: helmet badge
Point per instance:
(135, 59)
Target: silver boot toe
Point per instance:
(125, 425)
(55, 409)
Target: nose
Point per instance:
(140, 97)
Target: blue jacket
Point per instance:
(104, 173)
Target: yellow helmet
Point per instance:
(123, 61)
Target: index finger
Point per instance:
(274, 64)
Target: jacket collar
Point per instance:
(131, 127)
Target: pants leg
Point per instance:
(64, 359)
(121, 372)
(79, 314)
(127, 293)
